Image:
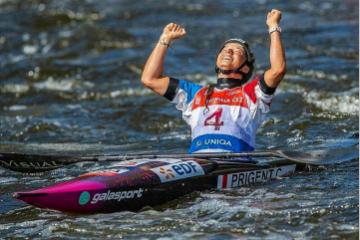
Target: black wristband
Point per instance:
(265, 88)
(172, 89)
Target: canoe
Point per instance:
(134, 184)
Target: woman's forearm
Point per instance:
(154, 65)
(277, 70)
(152, 76)
(277, 55)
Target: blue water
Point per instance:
(70, 83)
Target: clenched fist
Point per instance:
(171, 32)
(273, 18)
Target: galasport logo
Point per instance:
(109, 195)
(179, 170)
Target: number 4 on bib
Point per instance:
(215, 119)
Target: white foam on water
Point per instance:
(347, 227)
(130, 92)
(14, 88)
(46, 48)
(2, 39)
(20, 119)
(30, 49)
(174, 135)
(32, 223)
(62, 85)
(318, 75)
(210, 205)
(74, 106)
(7, 180)
(17, 108)
(65, 33)
(125, 92)
(344, 102)
(51, 84)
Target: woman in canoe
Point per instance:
(224, 116)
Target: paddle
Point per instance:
(23, 162)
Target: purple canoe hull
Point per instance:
(135, 184)
(64, 196)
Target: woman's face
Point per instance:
(231, 56)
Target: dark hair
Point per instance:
(209, 92)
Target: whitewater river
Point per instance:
(70, 83)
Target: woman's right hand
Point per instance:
(171, 32)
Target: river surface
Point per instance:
(70, 82)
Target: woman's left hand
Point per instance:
(273, 18)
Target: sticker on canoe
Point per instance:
(84, 197)
(245, 178)
(107, 173)
(178, 170)
(137, 162)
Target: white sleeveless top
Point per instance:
(230, 120)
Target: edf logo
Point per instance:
(179, 170)
(185, 168)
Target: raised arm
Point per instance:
(152, 76)
(277, 70)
